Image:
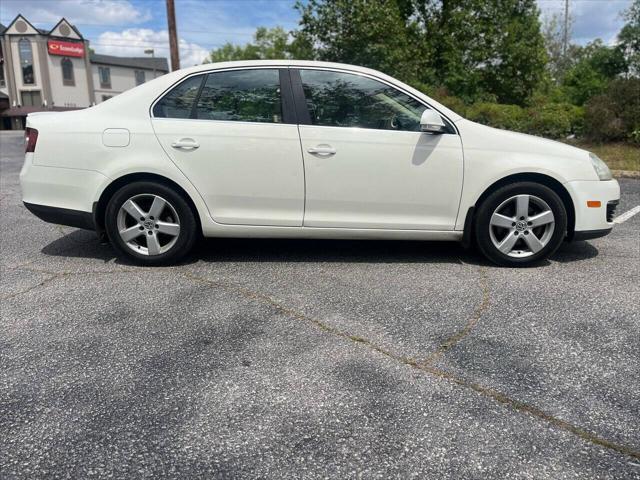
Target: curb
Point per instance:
(625, 173)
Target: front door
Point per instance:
(226, 132)
(367, 165)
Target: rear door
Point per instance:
(234, 136)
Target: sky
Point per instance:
(128, 27)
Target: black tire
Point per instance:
(494, 200)
(187, 231)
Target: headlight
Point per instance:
(600, 167)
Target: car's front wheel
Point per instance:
(150, 223)
(520, 224)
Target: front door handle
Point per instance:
(185, 144)
(323, 150)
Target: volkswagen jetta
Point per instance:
(305, 149)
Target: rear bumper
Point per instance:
(61, 188)
(62, 216)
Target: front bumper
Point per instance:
(593, 222)
(591, 234)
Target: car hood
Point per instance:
(478, 136)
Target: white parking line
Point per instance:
(627, 215)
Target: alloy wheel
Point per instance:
(521, 226)
(148, 224)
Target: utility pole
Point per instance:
(173, 36)
(565, 39)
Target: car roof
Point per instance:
(282, 62)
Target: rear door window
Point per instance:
(251, 95)
(241, 96)
(179, 102)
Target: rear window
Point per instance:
(179, 102)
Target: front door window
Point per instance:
(337, 99)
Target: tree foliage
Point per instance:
(479, 47)
(629, 38)
(595, 65)
(269, 43)
(377, 34)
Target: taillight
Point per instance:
(30, 139)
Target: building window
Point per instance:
(105, 77)
(106, 97)
(140, 77)
(31, 99)
(67, 72)
(26, 61)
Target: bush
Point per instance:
(551, 120)
(441, 94)
(508, 117)
(546, 119)
(615, 115)
(554, 120)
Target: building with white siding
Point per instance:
(52, 70)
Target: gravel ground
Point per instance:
(265, 358)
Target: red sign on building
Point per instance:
(66, 49)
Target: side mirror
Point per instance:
(431, 122)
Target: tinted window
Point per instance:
(241, 95)
(346, 100)
(178, 103)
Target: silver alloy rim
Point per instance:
(148, 224)
(521, 226)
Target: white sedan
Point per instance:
(307, 150)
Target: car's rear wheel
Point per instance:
(150, 223)
(520, 224)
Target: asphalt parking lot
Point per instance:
(342, 359)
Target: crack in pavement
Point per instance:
(55, 276)
(457, 337)
(488, 392)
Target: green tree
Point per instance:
(595, 66)
(269, 43)
(629, 38)
(473, 48)
(373, 33)
(482, 47)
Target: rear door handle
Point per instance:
(185, 144)
(323, 150)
